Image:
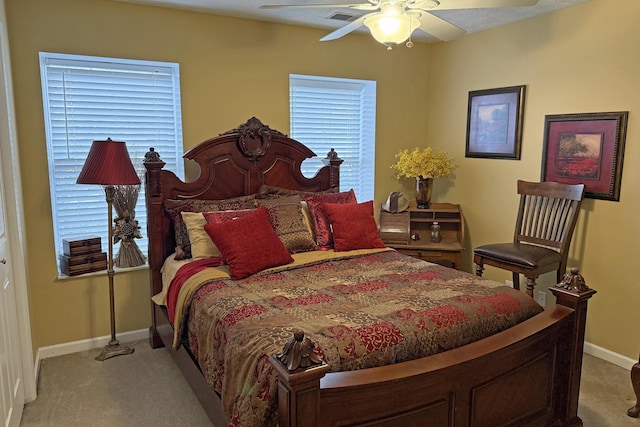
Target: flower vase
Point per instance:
(423, 192)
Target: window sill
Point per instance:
(117, 271)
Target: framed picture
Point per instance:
(588, 149)
(494, 123)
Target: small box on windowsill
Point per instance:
(81, 264)
(76, 246)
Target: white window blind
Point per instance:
(341, 114)
(92, 98)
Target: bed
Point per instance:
(522, 369)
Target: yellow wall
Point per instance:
(230, 69)
(578, 60)
(581, 59)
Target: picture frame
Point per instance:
(494, 123)
(588, 149)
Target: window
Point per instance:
(91, 98)
(341, 114)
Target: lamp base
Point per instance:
(114, 348)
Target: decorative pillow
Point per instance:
(175, 207)
(201, 244)
(320, 220)
(224, 216)
(354, 226)
(269, 192)
(308, 221)
(287, 219)
(249, 244)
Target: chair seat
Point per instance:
(522, 255)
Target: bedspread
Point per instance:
(362, 311)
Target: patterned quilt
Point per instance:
(362, 311)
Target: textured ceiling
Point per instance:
(471, 20)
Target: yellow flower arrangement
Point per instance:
(426, 163)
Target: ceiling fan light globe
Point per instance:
(424, 4)
(391, 28)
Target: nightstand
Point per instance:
(409, 232)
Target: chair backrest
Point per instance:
(548, 213)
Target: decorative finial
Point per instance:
(152, 156)
(332, 154)
(573, 281)
(298, 352)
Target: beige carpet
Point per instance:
(146, 389)
(141, 389)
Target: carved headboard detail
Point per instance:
(254, 138)
(235, 163)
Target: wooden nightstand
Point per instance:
(409, 232)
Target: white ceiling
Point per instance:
(471, 20)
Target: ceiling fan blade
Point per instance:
(343, 31)
(482, 4)
(439, 28)
(358, 6)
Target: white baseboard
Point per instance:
(609, 356)
(82, 345)
(143, 334)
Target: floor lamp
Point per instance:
(109, 164)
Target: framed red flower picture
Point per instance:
(588, 149)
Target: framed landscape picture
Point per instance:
(494, 123)
(588, 149)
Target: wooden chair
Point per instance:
(546, 219)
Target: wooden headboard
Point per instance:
(235, 163)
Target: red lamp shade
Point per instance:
(108, 163)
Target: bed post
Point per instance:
(299, 372)
(574, 293)
(153, 189)
(333, 161)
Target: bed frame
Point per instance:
(528, 375)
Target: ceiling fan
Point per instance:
(392, 22)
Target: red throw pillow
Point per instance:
(224, 216)
(175, 207)
(316, 202)
(354, 226)
(248, 244)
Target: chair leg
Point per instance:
(516, 280)
(531, 284)
(635, 381)
(479, 269)
(561, 272)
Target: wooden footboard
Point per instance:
(528, 375)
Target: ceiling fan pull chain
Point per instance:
(409, 42)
